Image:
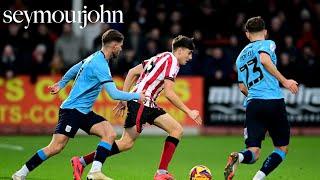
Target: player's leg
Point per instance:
(105, 131)
(175, 131)
(125, 143)
(279, 131)
(254, 133)
(57, 143)
(66, 128)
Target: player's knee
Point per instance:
(177, 132)
(108, 134)
(112, 135)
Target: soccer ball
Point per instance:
(200, 172)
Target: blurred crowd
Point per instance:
(150, 26)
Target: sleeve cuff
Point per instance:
(103, 82)
(170, 78)
(261, 51)
(61, 84)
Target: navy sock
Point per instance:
(273, 160)
(36, 160)
(103, 150)
(114, 149)
(248, 157)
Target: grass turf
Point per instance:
(141, 162)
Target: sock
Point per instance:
(248, 157)
(103, 150)
(36, 160)
(23, 171)
(259, 176)
(87, 159)
(83, 161)
(168, 150)
(272, 161)
(96, 166)
(114, 149)
(162, 171)
(241, 157)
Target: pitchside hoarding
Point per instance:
(30, 108)
(224, 105)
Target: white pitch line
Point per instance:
(12, 147)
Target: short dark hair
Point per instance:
(111, 35)
(182, 41)
(254, 24)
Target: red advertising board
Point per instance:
(30, 108)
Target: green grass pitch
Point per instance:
(141, 162)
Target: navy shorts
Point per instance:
(138, 115)
(70, 120)
(266, 115)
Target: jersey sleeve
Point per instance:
(70, 74)
(240, 78)
(120, 95)
(145, 62)
(268, 47)
(171, 68)
(103, 73)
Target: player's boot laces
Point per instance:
(232, 164)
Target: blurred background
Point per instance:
(35, 57)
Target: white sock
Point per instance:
(96, 166)
(162, 171)
(259, 176)
(241, 157)
(83, 162)
(23, 171)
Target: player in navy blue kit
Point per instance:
(91, 75)
(265, 107)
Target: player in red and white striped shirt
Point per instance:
(152, 76)
(155, 71)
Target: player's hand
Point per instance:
(292, 85)
(54, 89)
(120, 108)
(195, 115)
(143, 96)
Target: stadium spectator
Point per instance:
(150, 25)
(8, 63)
(68, 47)
(91, 31)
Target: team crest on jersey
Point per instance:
(272, 47)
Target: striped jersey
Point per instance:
(156, 69)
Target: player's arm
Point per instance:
(175, 100)
(70, 74)
(121, 95)
(243, 89)
(290, 84)
(132, 76)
